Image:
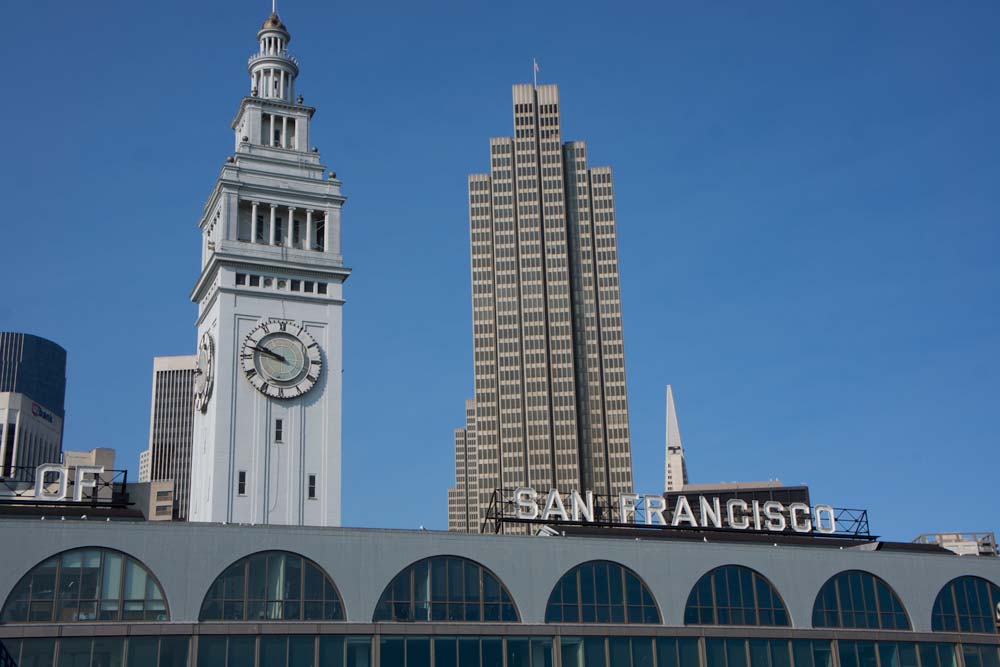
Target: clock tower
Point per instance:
(268, 391)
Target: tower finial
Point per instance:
(274, 6)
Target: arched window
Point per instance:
(86, 585)
(734, 595)
(600, 591)
(857, 599)
(272, 586)
(446, 588)
(966, 604)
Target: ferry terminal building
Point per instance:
(113, 594)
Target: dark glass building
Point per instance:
(35, 367)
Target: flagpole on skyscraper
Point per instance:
(534, 71)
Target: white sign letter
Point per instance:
(655, 505)
(554, 507)
(626, 505)
(82, 481)
(818, 515)
(775, 519)
(524, 498)
(739, 523)
(710, 511)
(682, 512)
(580, 508)
(804, 527)
(41, 493)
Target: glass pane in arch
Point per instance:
(272, 586)
(92, 584)
(735, 595)
(966, 604)
(858, 599)
(446, 588)
(601, 592)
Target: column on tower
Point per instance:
(284, 131)
(326, 231)
(309, 230)
(274, 226)
(253, 223)
(290, 234)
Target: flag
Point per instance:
(536, 66)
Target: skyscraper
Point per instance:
(675, 475)
(549, 362)
(171, 418)
(463, 498)
(32, 397)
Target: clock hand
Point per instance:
(271, 354)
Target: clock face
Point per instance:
(280, 359)
(204, 375)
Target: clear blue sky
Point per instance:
(807, 200)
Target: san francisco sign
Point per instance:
(705, 512)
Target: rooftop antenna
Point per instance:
(274, 6)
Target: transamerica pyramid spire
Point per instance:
(675, 476)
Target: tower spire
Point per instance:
(273, 69)
(675, 474)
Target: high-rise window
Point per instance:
(241, 484)
(312, 487)
(278, 430)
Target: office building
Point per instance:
(549, 361)
(267, 423)
(676, 475)
(171, 423)
(463, 515)
(145, 465)
(32, 397)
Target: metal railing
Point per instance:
(285, 55)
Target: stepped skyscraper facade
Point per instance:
(267, 422)
(551, 409)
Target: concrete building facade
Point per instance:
(171, 428)
(199, 604)
(551, 403)
(267, 429)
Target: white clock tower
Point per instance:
(268, 394)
